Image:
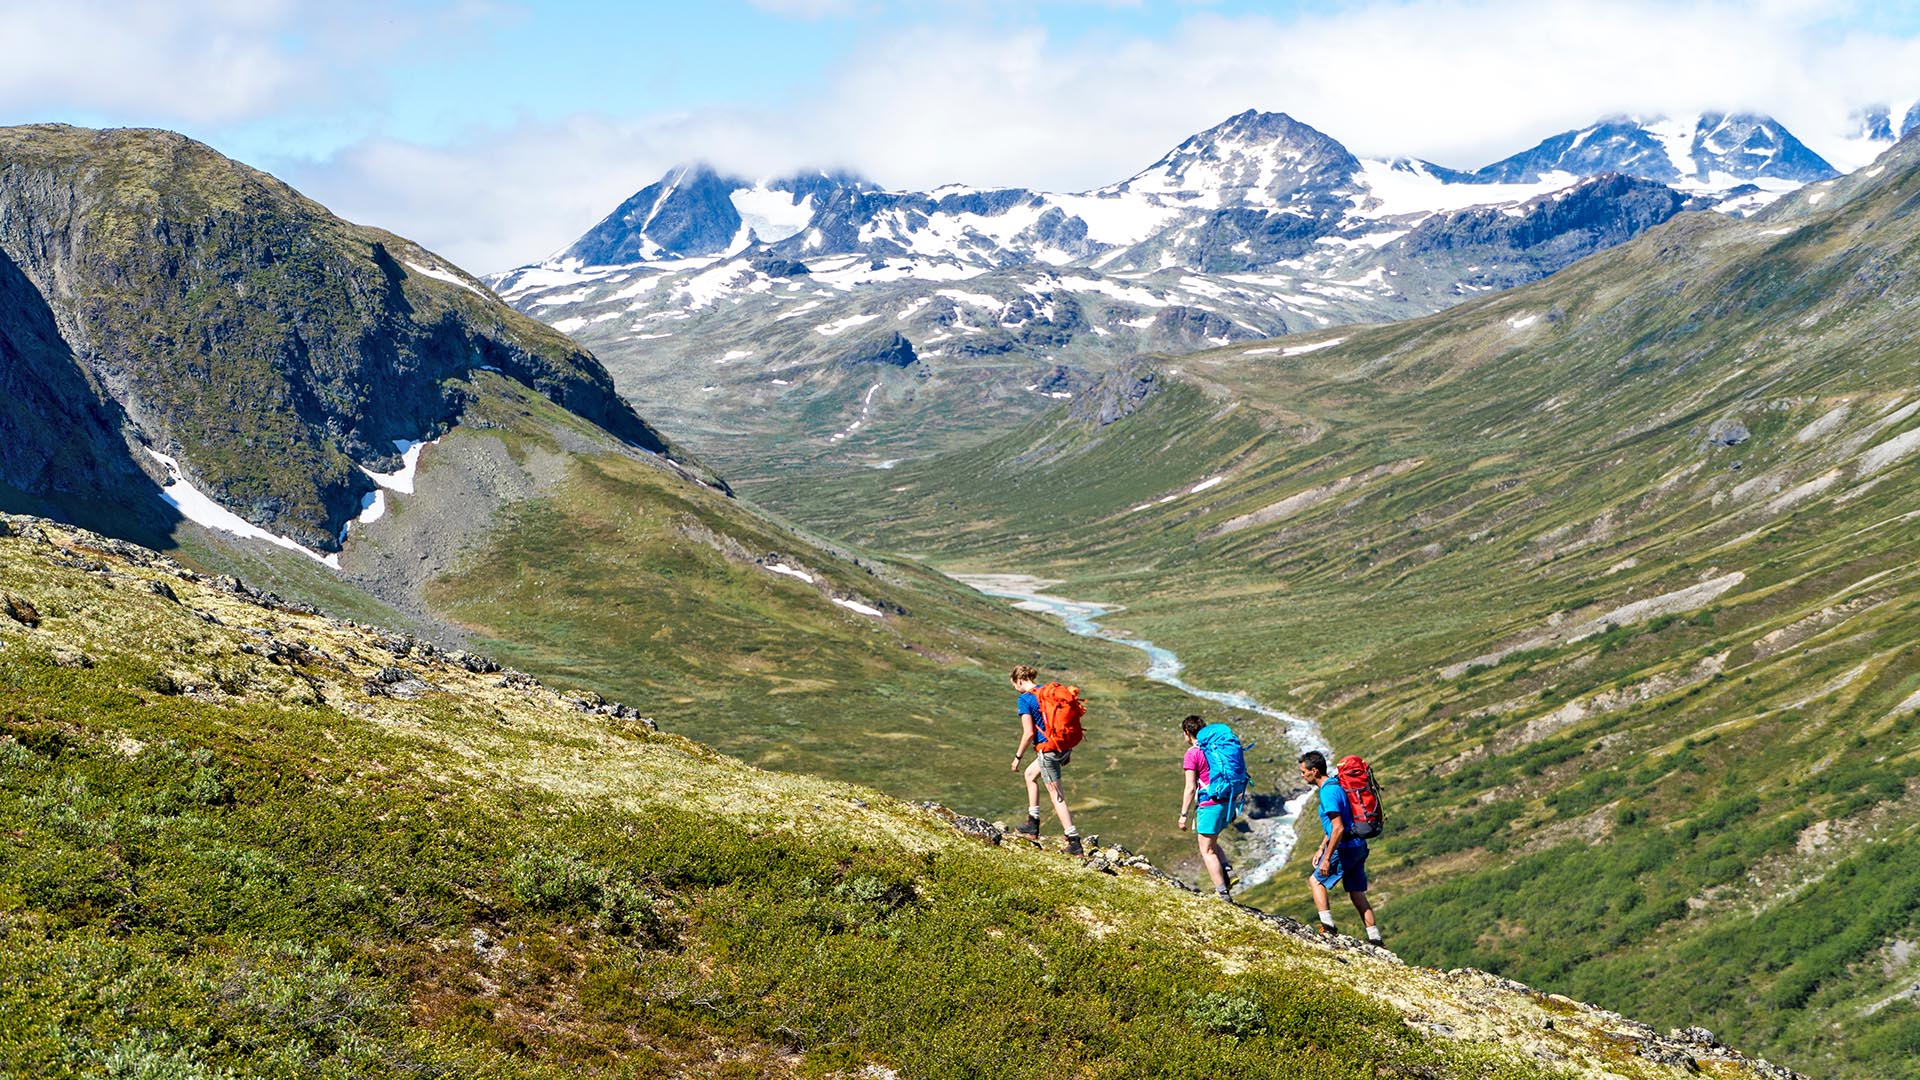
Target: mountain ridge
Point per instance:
(223, 313)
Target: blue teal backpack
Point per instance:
(1226, 762)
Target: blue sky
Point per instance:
(496, 130)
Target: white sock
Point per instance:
(1373, 933)
(1073, 832)
(1033, 811)
(1326, 919)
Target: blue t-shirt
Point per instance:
(1333, 800)
(1030, 706)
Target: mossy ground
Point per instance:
(227, 855)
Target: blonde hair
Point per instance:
(1026, 673)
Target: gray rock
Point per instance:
(1117, 395)
(893, 350)
(1727, 433)
(474, 662)
(517, 680)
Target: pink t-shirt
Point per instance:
(1196, 763)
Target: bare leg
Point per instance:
(1360, 904)
(1033, 783)
(1210, 857)
(1323, 903)
(1059, 804)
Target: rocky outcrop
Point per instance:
(893, 350)
(61, 433)
(1560, 228)
(1117, 395)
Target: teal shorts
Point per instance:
(1211, 820)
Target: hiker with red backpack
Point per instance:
(1349, 813)
(1216, 769)
(1050, 723)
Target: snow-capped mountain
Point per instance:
(694, 211)
(731, 303)
(1258, 189)
(1748, 159)
(1874, 130)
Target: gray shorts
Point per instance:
(1051, 764)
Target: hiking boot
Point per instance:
(1325, 930)
(1030, 828)
(1224, 895)
(1073, 845)
(1226, 871)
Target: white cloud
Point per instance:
(188, 62)
(1462, 82)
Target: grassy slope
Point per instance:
(227, 855)
(1710, 807)
(625, 578)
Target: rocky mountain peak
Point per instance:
(687, 212)
(1749, 146)
(1874, 123)
(695, 209)
(1683, 151)
(1253, 158)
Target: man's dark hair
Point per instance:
(1192, 725)
(1315, 760)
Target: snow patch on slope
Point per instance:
(197, 507)
(447, 276)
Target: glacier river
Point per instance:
(1269, 840)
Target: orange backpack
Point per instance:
(1060, 711)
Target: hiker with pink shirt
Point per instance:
(1216, 784)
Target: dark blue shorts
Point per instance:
(1346, 869)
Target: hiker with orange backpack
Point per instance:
(1342, 857)
(1050, 723)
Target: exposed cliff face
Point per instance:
(273, 348)
(59, 431)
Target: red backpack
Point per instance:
(1363, 798)
(1060, 711)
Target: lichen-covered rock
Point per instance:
(1117, 394)
(19, 609)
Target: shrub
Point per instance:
(549, 880)
(1232, 1013)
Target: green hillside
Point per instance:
(156, 296)
(1613, 575)
(245, 840)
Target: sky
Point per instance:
(495, 131)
